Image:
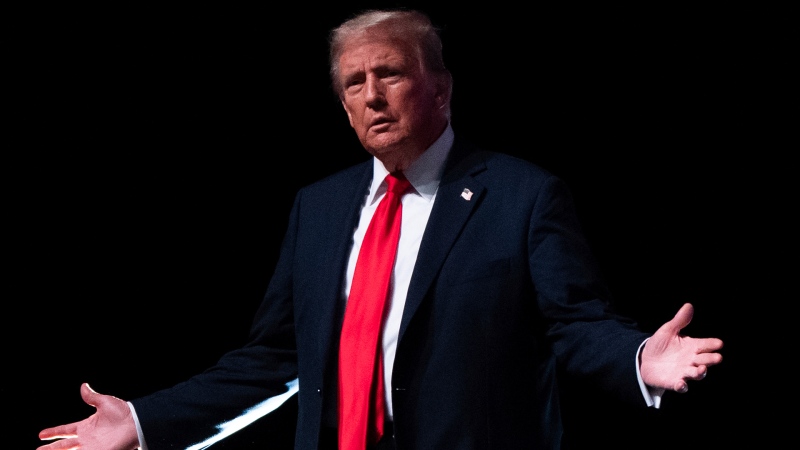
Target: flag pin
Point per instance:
(466, 194)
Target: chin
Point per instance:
(383, 146)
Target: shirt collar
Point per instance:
(424, 173)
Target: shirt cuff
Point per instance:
(142, 443)
(652, 396)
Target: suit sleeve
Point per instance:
(199, 408)
(590, 340)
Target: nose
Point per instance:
(375, 92)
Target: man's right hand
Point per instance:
(111, 427)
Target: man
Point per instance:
(493, 292)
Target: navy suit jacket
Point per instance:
(505, 294)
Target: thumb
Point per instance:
(89, 395)
(682, 318)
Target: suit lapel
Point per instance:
(343, 209)
(458, 195)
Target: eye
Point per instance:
(353, 82)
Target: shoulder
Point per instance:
(344, 178)
(336, 190)
(495, 166)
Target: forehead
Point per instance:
(370, 51)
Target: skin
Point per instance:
(398, 109)
(670, 359)
(111, 427)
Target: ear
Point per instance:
(349, 116)
(444, 90)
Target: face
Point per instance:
(396, 108)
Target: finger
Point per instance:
(61, 445)
(698, 373)
(709, 345)
(59, 432)
(708, 359)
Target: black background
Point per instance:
(154, 154)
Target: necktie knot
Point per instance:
(397, 183)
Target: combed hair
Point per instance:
(411, 27)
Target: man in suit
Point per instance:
(494, 290)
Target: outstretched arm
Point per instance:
(111, 427)
(670, 359)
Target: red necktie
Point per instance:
(362, 406)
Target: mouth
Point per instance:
(380, 124)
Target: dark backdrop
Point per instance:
(156, 152)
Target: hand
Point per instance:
(670, 359)
(111, 427)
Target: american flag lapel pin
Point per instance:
(466, 194)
